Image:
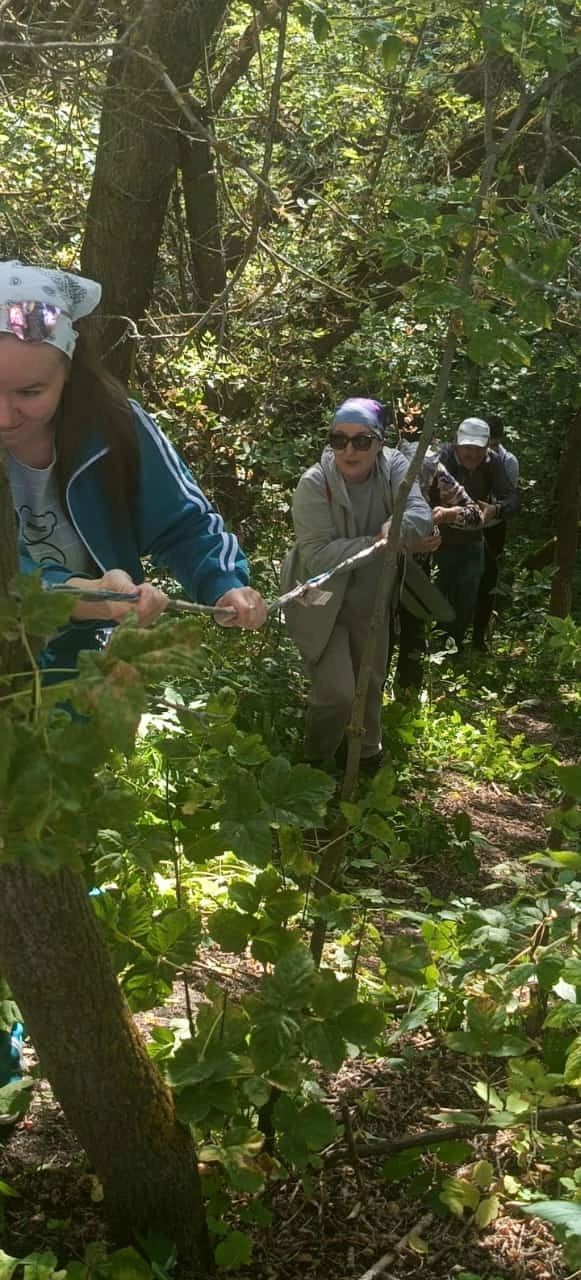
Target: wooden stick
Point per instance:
(384, 1262)
(566, 1114)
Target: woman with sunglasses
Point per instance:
(96, 485)
(342, 505)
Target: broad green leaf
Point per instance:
(560, 1213)
(234, 1252)
(380, 794)
(317, 1126)
(284, 904)
(569, 776)
(128, 1264)
(352, 813)
(321, 26)
(487, 1211)
(405, 960)
(459, 1194)
(360, 1024)
(222, 704)
(573, 1064)
(391, 47)
(295, 793)
(482, 1174)
(248, 749)
(324, 1044)
(399, 1167)
(273, 1038)
(245, 895)
(231, 929)
(250, 839)
(8, 1265)
(243, 799)
(331, 994)
(289, 986)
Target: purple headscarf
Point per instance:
(367, 413)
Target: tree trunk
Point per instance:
(203, 221)
(567, 521)
(55, 960)
(136, 163)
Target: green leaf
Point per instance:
(459, 1194)
(248, 749)
(127, 1264)
(284, 904)
(250, 839)
(487, 1211)
(332, 994)
(573, 1064)
(482, 1174)
(245, 895)
(317, 1126)
(7, 1190)
(243, 798)
(497, 1044)
(8, 1265)
(321, 26)
(290, 985)
(360, 1024)
(234, 1252)
(391, 47)
(324, 1044)
(399, 1167)
(560, 1213)
(405, 961)
(222, 704)
(380, 793)
(378, 827)
(273, 1037)
(295, 793)
(352, 813)
(569, 776)
(230, 929)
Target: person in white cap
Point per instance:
(460, 558)
(96, 486)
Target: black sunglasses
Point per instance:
(361, 443)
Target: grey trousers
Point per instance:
(333, 680)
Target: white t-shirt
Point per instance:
(49, 535)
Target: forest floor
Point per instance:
(351, 1218)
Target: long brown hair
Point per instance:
(94, 402)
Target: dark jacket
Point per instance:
(487, 483)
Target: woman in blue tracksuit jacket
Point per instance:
(96, 485)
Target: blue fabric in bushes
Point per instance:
(11, 1068)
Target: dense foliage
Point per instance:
(186, 809)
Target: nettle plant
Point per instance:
(193, 839)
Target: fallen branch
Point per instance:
(567, 1114)
(388, 1258)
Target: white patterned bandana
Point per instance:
(39, 304)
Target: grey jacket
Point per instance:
(325, 535)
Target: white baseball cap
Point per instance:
(473, 431)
